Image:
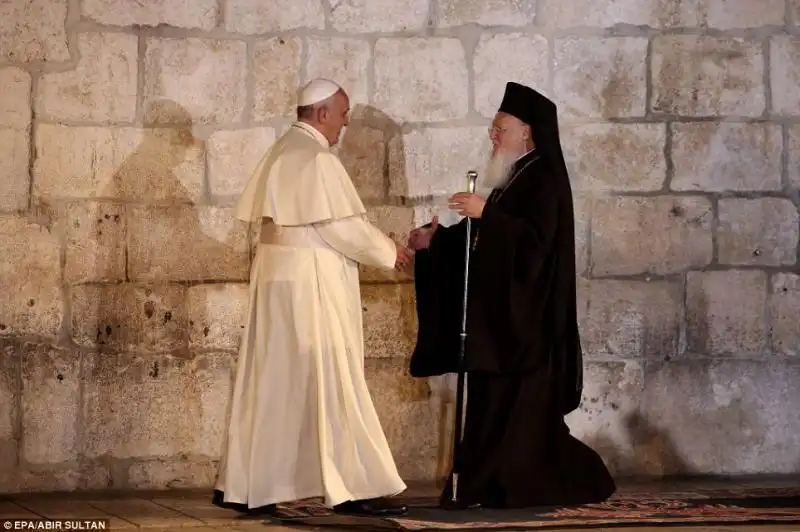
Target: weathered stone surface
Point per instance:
(757, 231)
(125, 163)
(396, 223)
(715, 14)
(707, 76)
(716, 157)
(15, 106)
(14, 161)
(785, 74)
(9, 414)
(233, 156)
(600, 78)
(608, 412)
(632, 319)
(206, 77)
(691, 406)
(33, 31)
(725, 312)
(95, 236)
(784, 307)
(363, 152)
(794, 10)
(485, 13)
(582, 209)
(159, 238)
(201, 15)
(217, 314)
(178, 401)
(276, 80)
(369, 16)
(101, 88)
(409, 416)
(51, 405)
(342, 60)
(593, 154)
(390, 320)
(793, 149)
(130, 317)
(30, 278)
(255, 16)
(623, 229)
(497, 59)
(170, 475)
(434, 162)
(436, 68)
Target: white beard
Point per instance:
(498, 170)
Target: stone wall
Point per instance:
(128, 128)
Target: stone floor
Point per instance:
(174, 510)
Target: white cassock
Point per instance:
(302, 422)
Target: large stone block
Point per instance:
(95, 237)
(170, 475)
(725, 312)
(396, 223)
(497, 59)
(205, 77)
(130, 317)
(233, 157)
(51, 405)
(707, 76)
(30, 278)
(364, 150)
(101, 87)
(607, 412)
(757, 231)
(255, 16)
(784, 53)
(159, 239)
(650, 235)
(601, 78)
(125, 163)
(14, 164)
(370, 16)
(717, 157)
(15, 106)
(9, 414)
(724, 417)
(409, 416)
(217, 315)
(434, 162)
(793, 155)
(436, 68)
(342, 60)
(485, 13)
(276, 64)
(593, 154)
(712, 14)
(390, 320)
(178, 405)
(784, 307)
(632, 319)
(34, 30)
(200, 14)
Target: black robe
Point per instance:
(523, 353)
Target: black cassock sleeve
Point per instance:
(510, 284)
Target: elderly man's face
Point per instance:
(508, 135)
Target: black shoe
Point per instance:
(379, 507)
(219, 500)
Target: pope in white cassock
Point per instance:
(302, 422)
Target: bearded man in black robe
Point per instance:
(523, 356)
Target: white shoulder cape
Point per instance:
(299, 181)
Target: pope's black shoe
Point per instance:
(379, 507)
(219, 500)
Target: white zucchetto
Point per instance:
(316, 91)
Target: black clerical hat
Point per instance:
(527, 105)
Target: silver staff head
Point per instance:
(472, 176)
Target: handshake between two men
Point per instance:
(464, 203)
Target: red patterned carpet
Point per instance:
(720, 506)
